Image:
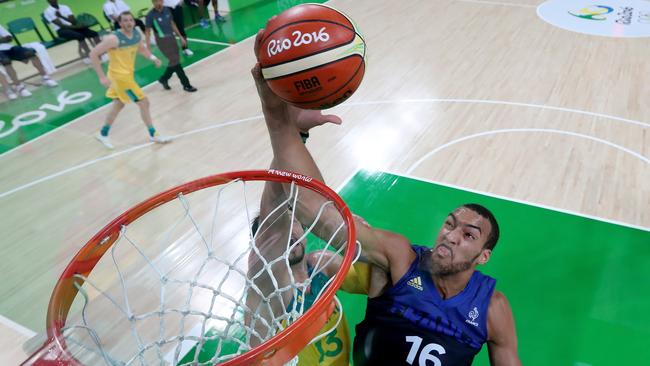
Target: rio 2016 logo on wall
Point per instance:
(610, 18)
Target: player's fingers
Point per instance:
(256, 71)
(331, 118)
(258, 41)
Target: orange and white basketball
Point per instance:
(312, 56)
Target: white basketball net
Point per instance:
(176, 294)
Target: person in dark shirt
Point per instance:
(160, 20)
(426, 306)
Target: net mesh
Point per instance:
(191, 283)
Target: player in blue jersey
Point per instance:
(426, 306)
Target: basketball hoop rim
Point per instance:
(89, 255)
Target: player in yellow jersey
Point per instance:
(122, 47)
(333, 349)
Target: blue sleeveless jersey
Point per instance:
(410, 323)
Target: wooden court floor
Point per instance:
(476, 94)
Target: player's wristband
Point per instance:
(304, 136)
(153, 57)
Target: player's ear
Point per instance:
(484, 257)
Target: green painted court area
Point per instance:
(578, 287)
(25, 119)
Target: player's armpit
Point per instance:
(502, 336)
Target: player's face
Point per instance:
(158, 4)
(459, 245)
(297, 254)
(127, 23)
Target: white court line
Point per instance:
(487, 133)
(498, 3)
(476, 101)
(208, 42)
(119, 153)
(492, 195)
(509, 130)
(509, 199)
(220, 52)
(17, 327)
(503, 102)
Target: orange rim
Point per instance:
(276, 351)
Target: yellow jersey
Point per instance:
(121, 60)
(334, 349)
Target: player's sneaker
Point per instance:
(104, 140)
(11, 95)
(49, 82)
(22, 91)
(204, 23)
(188, 52)
(219, 19)
(159, 139)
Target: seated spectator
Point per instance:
(113, 9)
(67, 27)
(10, 53)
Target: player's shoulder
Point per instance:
(111, 38)
(499, 307)
(498, 298)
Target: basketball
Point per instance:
(312, 56)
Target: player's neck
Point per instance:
(128, 34)
(452, 285)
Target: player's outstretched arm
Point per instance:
(502, 337)
(289, 153)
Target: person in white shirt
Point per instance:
(9, 52)
(113, 9)
(176, 7)
(66, 26)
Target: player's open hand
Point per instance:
(306, 119)
(270, 101)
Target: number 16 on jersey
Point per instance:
(425, 354)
